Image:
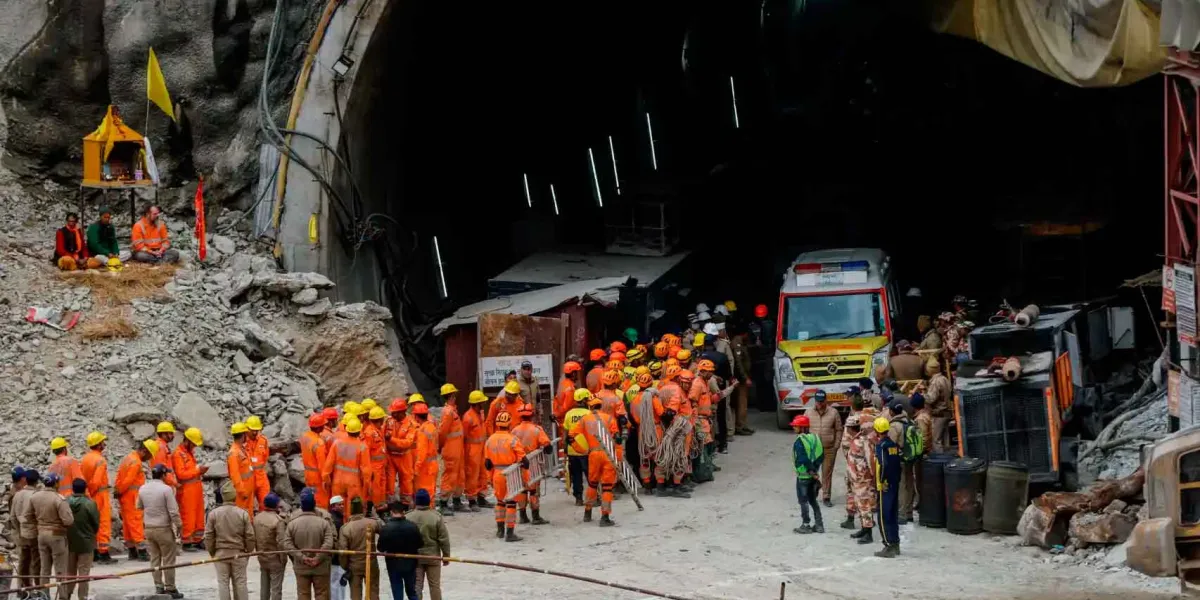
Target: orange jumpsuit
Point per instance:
(68, 470)
(259, 454)
(163, 457)
(565, 400)
(241, 472)
(372, 436)
(348, 468)
(502, 403)
(503, 449)
(701, 399)
(635, 413)
(130, 479)
(189, 495)
(95, 472)
(425, 465)
(401, 437)
(327, 436)
(601, 472)
(450, 440)
(532, 436)
(312, 453)
(593, 378)
(613, 406)
(476, 482)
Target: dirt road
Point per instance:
(733, 539)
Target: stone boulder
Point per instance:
(132, 413)
(140, 430)
(217, 470)
(192, 410)
(363, 311)
(1101, 528)
(290, 283)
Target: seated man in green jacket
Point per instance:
(102, 241)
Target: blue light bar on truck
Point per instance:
(834, 273)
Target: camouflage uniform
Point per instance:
(847, 438)
(862, 475)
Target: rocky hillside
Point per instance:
(204, 346)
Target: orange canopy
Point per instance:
(112, 130)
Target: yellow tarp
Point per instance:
(1095, 43)
(112, 130)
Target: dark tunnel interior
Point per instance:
(856, 126)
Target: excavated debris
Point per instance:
(220, 341)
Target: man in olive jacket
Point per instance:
(436, 544)
(309, 531)
(81, 537)
(355, 535)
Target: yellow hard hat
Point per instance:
(351, 409)
(58, 443)
(448, 388)
(353, 425)
(730, 305)
(368, 403)
(114, 264)
(165, 427)
(698, 340)
(512, 387)
(582, 394)
(346, 406)
(882, 424)
(640, 370)
(254, 423)
(416, 398)
(629, 372)
(237, 428)
(193, 435)
(377, 413)
(151, 446)
(476, 397)
(94, 438)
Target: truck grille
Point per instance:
(1007, 423)
(848, 367)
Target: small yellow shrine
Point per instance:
(114, 155)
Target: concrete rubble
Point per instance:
(221, 341)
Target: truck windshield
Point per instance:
(841, 316)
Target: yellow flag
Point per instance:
(156, 86)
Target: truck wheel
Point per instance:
(783, 418)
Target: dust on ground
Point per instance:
(732, 540)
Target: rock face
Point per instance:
(1101, 528)
(192, 410)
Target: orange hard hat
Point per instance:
(760, 311)
(672, 361)
(614, 364)
(673, 349)
(671, 339)
(420, 409)
(706, 365)
(644, 380)
(503, 420)
(617, 347)
(610, 377)
(685, 375)
(800, 421)
(398, 405)
(683, 355)
(616, 357)
(597, 355)
(526, 410)
(330, 414)
(671, 372)
(660, 350)
(317, 420)
(572, 367)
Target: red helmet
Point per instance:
(572, 367)
(526, 410)
(618, 356)
(330, 414)
(420, 409)
(398, 405)
(800, 421)
(317, 420)
(760, 311)
(617, 347)
(597, 355)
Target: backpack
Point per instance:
(913, 447)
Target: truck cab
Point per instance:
(836, 309)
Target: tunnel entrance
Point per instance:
(853, 127)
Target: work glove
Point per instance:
(488, 464)
(345, 580)
(525, 462)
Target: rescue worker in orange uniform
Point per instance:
(475, 477)
(687, 410)
(509, 401)
(592, 380)
(372, 435)
(532, 437)
(260, 450)
(65, 466)
(602, 474)
(400, 437)
(189, 494)
(348, 464)
(425, 464)
(450, 440)
(130, 478)
(502, 450)
(95, 472)
(331, 422)
(241, 468)
(565, 400)
(706, 395)
(165, 432)
(613, 405)
(312, 454)
(645, 411)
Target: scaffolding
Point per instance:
(642, 228)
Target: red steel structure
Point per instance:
(1181, 141)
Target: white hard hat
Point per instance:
(710, 329)
(701, 308)
(914, 292)
(336, 500)
(703, 316)
(721, 310)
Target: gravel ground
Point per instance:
(733, 539)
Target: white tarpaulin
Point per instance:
(601, 291)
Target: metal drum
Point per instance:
(1007, 495)
(933, 490)
(965, 478)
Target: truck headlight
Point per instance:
(878, 360)
(784, 372)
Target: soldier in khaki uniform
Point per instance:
(269, 529)
(309, 531)
(26, 528)
(355, 535)
(228, 532)
(53, 516)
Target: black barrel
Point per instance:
(1007, 493)
(933, 490)
(965, 478)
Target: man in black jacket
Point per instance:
(401, 536)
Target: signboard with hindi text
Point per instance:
(1185, 304)
(493, 368)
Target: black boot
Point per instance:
(174, 594)
(861, 532)
(848, 523)
(673, 492)
(889, 551)
(444, 508)
(587, 515)
(537, 518)
(606, 521)
(805, 528)
(482, 501)
(105, 559)
(511, 536)
(458, 504)
(143, 555)
(523, 517)
(133, 554)
(500, 530)
(578, 500)
(819, 526)
(866, 538)
(471, 505)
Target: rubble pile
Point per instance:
(1089, 526)
(222, 340)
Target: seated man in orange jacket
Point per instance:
(150, 242)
